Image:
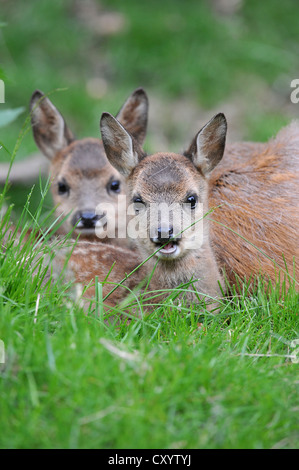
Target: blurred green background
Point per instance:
(194, 58)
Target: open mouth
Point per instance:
(170, 250)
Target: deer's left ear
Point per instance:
(122, 150)
(207, 148)
(134, 114)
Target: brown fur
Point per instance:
(89, 260)
(257, 187)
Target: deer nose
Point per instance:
(86, 219)
(163, 235)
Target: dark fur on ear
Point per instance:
(50, 131)
(207, 148)
(134, 114)
(122, 150)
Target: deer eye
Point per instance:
(138, 204)
(114, 186)
(63, 187)
(192, 200)
(137, 200)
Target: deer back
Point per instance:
(255, 192)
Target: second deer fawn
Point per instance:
(82, 177)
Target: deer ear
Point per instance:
(122, 150)
(207, 148)
(50, 131)
(134, 114)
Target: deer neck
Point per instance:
(198, 266)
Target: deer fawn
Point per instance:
(178, 182)
(168, 191)
(82, 177)
(255, 193)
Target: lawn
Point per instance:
(180, 378)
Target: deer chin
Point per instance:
(96, 229)
(85, 231)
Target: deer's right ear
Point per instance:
(50, 131)
(134, 114)
(122, 150)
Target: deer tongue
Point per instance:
(169, 248)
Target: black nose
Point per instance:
(163, 235)
(86, 219)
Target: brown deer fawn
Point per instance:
(82, 177)
(172, 180)
(253, 229)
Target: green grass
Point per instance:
(179, 378)
(174, 49)
(187, 48)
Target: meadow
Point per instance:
(180, 378)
